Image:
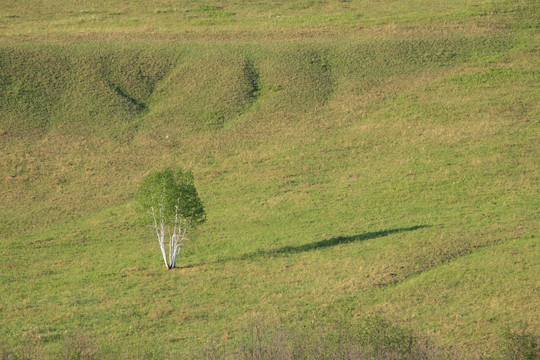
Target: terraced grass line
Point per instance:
(444, 260)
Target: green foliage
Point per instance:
(169, 192)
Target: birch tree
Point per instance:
(169, 201)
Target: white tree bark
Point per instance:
(176, 236)
(160, 232)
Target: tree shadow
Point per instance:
(290, 250)
(327, 243)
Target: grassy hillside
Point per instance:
(355, 159)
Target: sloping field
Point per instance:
(355, 159)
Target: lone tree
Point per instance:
(169, 200)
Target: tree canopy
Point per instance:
(163, 191)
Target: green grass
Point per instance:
(355, 159)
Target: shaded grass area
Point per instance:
(381, 175)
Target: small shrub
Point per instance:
(5, 354)
(368, 339)
(28, 351)
(520, 345)
(79, 347)
(164, 11)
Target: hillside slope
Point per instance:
(384, 174)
